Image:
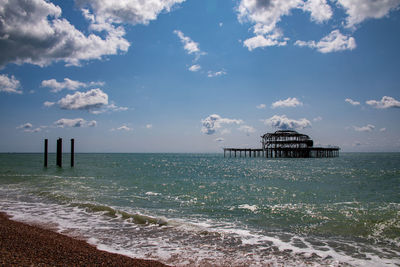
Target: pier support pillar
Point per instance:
(46, 150)
(72, 152)
(59, 152)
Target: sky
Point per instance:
(198, 75)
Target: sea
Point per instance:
(207, 210)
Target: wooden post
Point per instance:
(46, 150)
(59, 152)
(72, 152)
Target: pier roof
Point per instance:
(286, 133)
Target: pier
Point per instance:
(285, 144)
(58, 152)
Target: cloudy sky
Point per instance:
(195, 76)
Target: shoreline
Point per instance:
(26, 245)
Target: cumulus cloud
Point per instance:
(189, 45)
(212, 74)
(25, 126)
(320, 10)
(34, 32)
(108, 108)
(132, 12)
(69, 84)
(90, 100)
(247, 129)
(48, 104)
(333, 42)
(266, 14)
(122, 128)
(9, 84)
(284, 123)
(78, 122)
(382, 129)
(290, 102)
(264, 41)
(195, 68)
(352, 102)
(384, 103)
(366, 128)
(359, 10)
(261, 106)
(28, 128)
(149, 126)
(214, 122)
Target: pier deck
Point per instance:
(314, 152)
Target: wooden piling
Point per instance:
(59, 152)
(46, 150)
(72, 152)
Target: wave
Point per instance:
(116, 213)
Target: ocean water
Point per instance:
(204, 209)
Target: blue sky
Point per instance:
(196, 76)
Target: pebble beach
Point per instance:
(27, 245)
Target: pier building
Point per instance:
(285, 144)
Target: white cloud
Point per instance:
(67, 84)
(132, 12)
(333, 42)
(384, 103)
(9, 85)
(382, 129)
(149, 126)
(111, 107)
(94, 101)
(48, 103)
(290, 102)
(214, 122)
(284, 123)
(352, 102)
(28, 128)
(92, 123)
(212, 74)
(78, 122)
(264, 41)
(219, 140)
(90, 100)
(247, 129)
(25, 126)
(360, 10)
(319, 118)
(36, 130)
(34, 32)
(266, 14)
(195, 68)
(189, 45)
(124, 128)
(319, 9)
(367, 128)
(261, 106)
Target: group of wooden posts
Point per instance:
(59, 152)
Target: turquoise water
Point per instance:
(202, 209)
